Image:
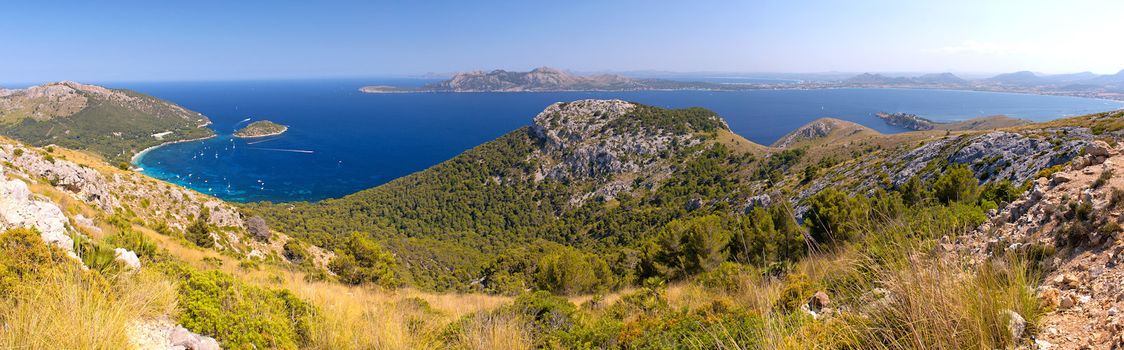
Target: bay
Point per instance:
(341, 140)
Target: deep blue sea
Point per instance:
(341, 141)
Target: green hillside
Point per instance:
(115, 124)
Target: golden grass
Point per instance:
(78, 310)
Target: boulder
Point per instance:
(819, 301)
(20, 208)
(182, 337)
(1097, 149)
(1016, 324)
(128, 257)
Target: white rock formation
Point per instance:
(128, 257)
(20, 208)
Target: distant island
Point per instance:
(546, 79)
(918, 123)
(261, 128)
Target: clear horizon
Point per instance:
(134, 41)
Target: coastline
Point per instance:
(750, 87)
(140, 154)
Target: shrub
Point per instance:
(913, 191)
(200, 233)
(1103, 178)
(295, 252)
(833, 216)
(570, 271)
(363, 261)
(239, 315)
(23, 256)
(134, 241)
(956, 184)
(1000, 192)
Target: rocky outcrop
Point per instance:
(19, 208)
(818, 129)
(1074, 226)
(579, 144)
(85, 183)
(997, 155)
(127, 257)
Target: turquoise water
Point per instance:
(341, 141)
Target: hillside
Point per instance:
(605, 224)
(112, 123)
(823, 130)
(543, 79)
(261, 128)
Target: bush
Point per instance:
(957, 184)
(134, 241)
(913, 191)
(1103, 178)
(834, 217)
(1000, 192)
(200, 233)
(363, 261)
(768, 236)
(239, 315)
(295, 252)
(570, 271)
(23, 256)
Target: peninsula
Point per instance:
(543, 79)
(917, 123)
(261, 128)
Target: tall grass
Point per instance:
(73, 309)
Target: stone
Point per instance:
(1016, 324)
(1067, 301)
(128, 257)
(1097, 149)
(182, 337)
(1061, 178)
(19, 208)
(819, 301)
(1050, 297)
(761, 200)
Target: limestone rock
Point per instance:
(128, 257)
(1016, 324)
(182, 337)
(20, 208)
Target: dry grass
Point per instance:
(77, 310)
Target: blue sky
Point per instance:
(209, 40)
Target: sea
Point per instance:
(341, 141)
